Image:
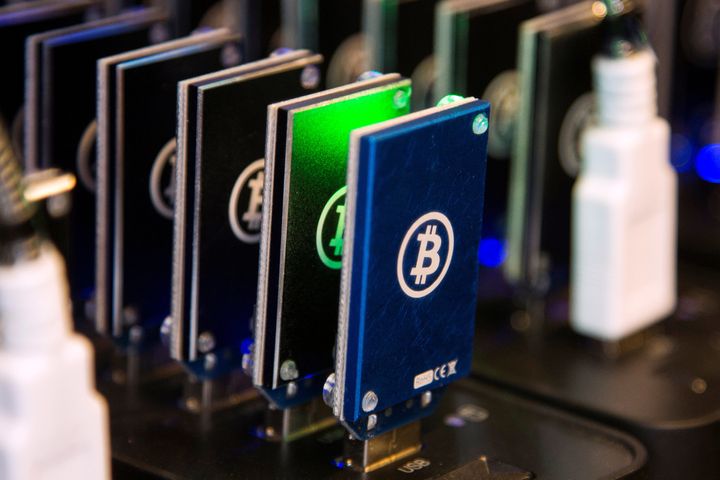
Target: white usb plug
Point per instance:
(53, 423)
(624, 216)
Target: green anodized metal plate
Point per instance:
(304, 311)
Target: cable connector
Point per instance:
(53, 423)
(624, 216)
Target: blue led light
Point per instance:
(707, 163)
(246, 345)
(681, 151)
(492, 252)
(87, 293)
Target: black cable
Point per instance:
(623, 30)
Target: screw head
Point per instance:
(210, 361)
(310, 77)
(472, 413)
(367, 75)
(90, 308)
(480, 124)
(448, 99)
(135, 334)
(292, 389)
(372, 421)
(59, 205)
(130, 316)
(328, 392)
(401, 99)
(426, 398)
(698, 385)
(205, 342)
(166, 330)
(230, 55)
(247, 364)
(281, 51)
(288, 370)
(369, 401)
(192, 404)
(159, 33)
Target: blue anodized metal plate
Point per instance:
(409, 280)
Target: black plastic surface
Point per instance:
(666, 393)
(154, 438)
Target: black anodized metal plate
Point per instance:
(139, 181)
(221, 186)
(67, 107)
(17, 22)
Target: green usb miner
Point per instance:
(302, 232)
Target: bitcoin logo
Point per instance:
(579, 116)
(425, 254)
(247, 197)
(162, 179)
(421, 271)
(330, 230)
(86, 161)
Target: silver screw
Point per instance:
(130, 316)
(480, 124)
(472, 413)
(698, 385)
(310, 77)
(281, 51)
(135, 334)
(166, 330)
(90, 308)
(210, 361)
(372, 421)
(292, 389)
(205, 342)
(192, 404)
(367, 75)
(426, 398)
(230, 55)
(448, 99)
(401, 99)
(288, 370)
(247, 362)
(328, 392)
(159, 33)
(369, 401)
(59, 205)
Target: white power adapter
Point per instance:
(53, 423)
(624, 217)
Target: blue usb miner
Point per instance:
(409, 274)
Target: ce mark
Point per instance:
(445, 370)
